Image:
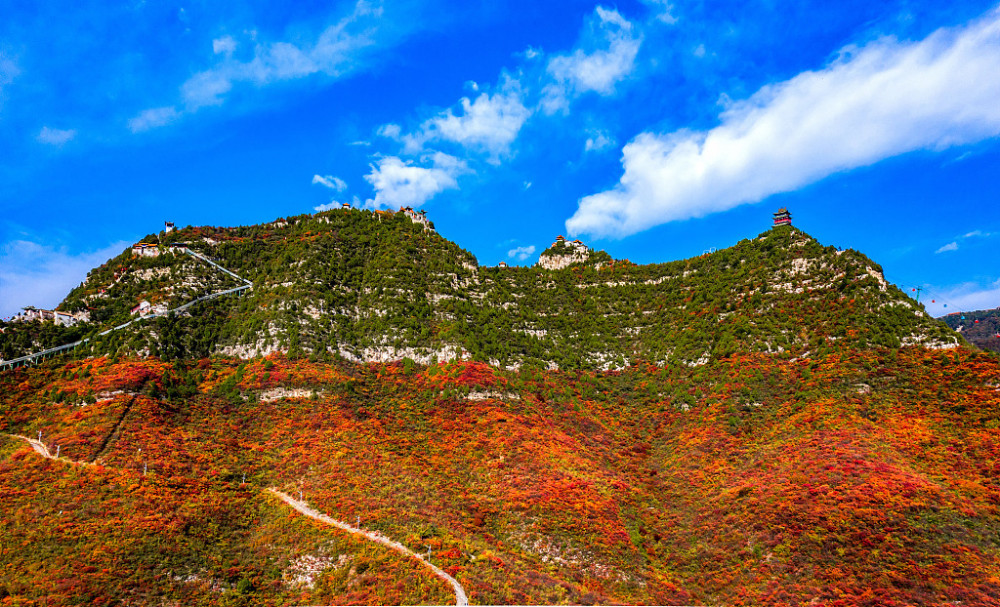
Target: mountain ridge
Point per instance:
(380, 286)
(980, 328)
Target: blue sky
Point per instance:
(654, 130)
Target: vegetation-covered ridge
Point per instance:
(366, 286)
(856, 477)
(980, 328)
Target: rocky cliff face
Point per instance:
(563, 254)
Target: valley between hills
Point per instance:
(772, 423)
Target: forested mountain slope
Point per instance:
(852, 478)
(368, 286)
(772, 423)
(981, 327)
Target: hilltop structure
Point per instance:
(145, 249)
(417, 216)
(563, 253)
(65, 319)
(782, 217)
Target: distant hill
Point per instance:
(980, 328)
(384, 286)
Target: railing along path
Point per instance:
(31, 358)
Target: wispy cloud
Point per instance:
(333, 53)
(401, 183)
(337, 51)
(521, 253)
(8, 71)
(55, 136)
(967, 296)
(663, 10)
(593, 69)
(978, 234)
(153, 118)
(224, 45)
(974, 234)
(490, 123)
(485, 126)
(873, 102)
(598, 141)
(329, 181)
(41, 275)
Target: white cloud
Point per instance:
(225, 45)
(334, 183)
(398, 183)
(152, 118)
(953, 246)
(964, 297)
(699, 51)
(597, 70)
(663, 9)
(8, 71)
(490, 123)
(41, 275)
(334, 53)
(598, 141)
(521, 253)
(979, 234)
(390, 131)
(874, 102)
(204, 89)
(55, 136)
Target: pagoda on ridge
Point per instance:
(782, 217)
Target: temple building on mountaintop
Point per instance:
(782, 217)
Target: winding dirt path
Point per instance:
(42, 450)
(460, 598)
(303, 508)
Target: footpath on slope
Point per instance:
(303, 508)
(29, 358)
(42, 450)
(460, 598)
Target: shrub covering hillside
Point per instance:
(366, 286)
(981, 328)
(771, 423)
(856, 477)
